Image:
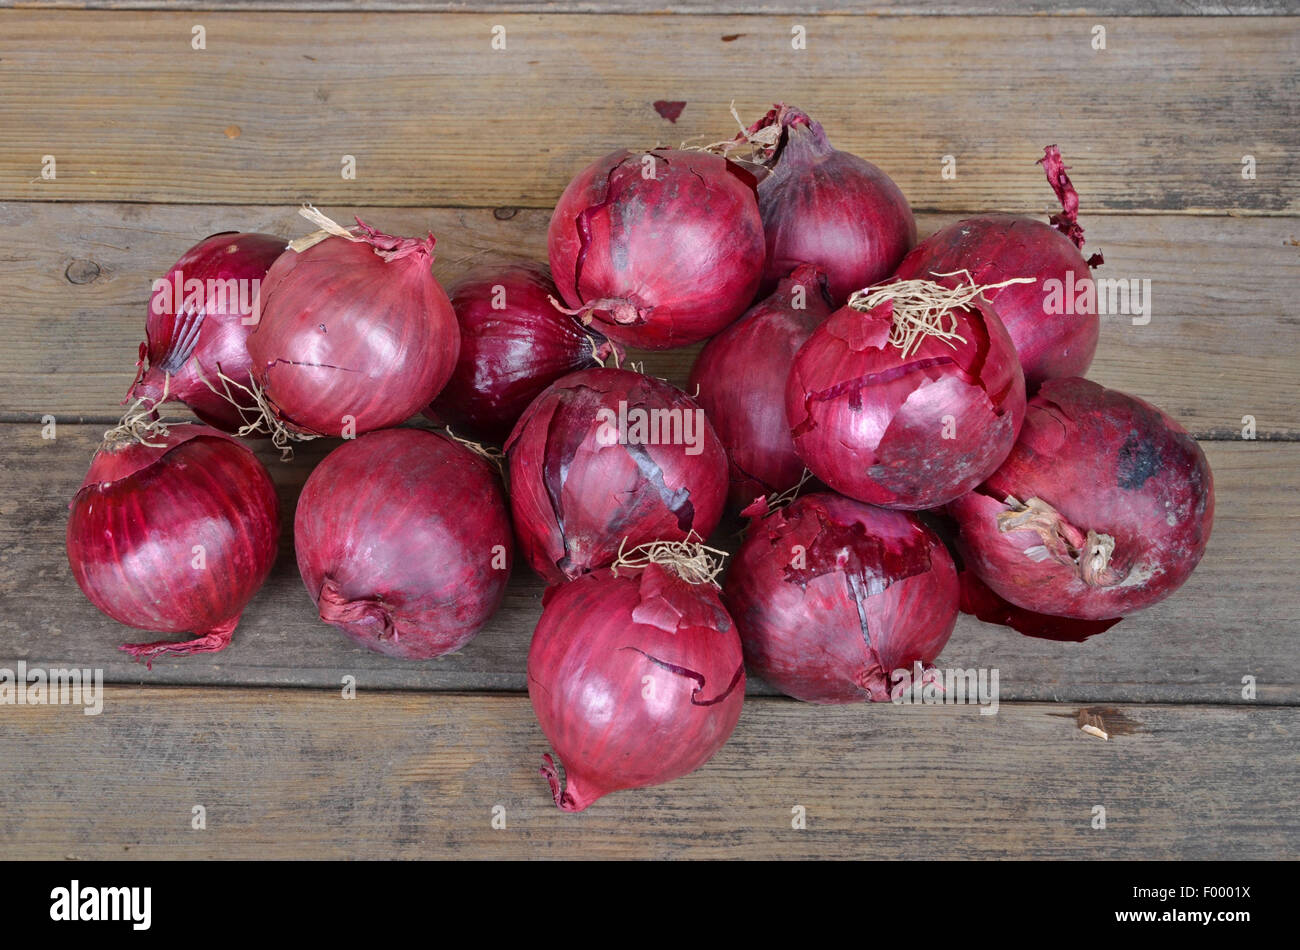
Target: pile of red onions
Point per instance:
(826, 207)
(174, 529)
(607, 457)
(1103, 507)
(354, 332)
(1054, 330)
(908, 397)
(513, 344)
(403, 541)
(660, 248)
(200, 316)
(637, 677)
(832, 597)
(740, 377)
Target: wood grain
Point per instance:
(1159, 120)
(1232, 619)
(289, 773)
(76, 285)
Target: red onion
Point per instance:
(908, 397)
(1052, 340)
(826, 207)
(513, 344)
(1103, 507)
(404, 542)
(174, 529)
(355, 334)
(740, 379)
(198, 325)
(832, 596)
(636, 677)
(608, 455)
(659, 248)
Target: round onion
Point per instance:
(1103, 507)
(740, 379)
(1051, 338)
(908, 397)
(659, 248)
(354, 333)
(513, 344)
(174, 529)
(198, 325)
(636, 677)
(404, 542)
(832, 596)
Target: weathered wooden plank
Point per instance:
(1219, 345)
(292, 773)
(1232, 619)
(1160, 119)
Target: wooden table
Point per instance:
(157, 144)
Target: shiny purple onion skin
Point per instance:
(135, 524)
(832, 596)
(575, 500)
(183, 353)
(403, 542)
(636, 679)
(740, 378)
(1109, 463)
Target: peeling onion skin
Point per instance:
(871, 424)
(658, 262)
(1108, 463)
(140, 513)
(808, 576)
(740, 378)
(636, 679)
(574, 500)
(403, 542)
(344, 333)
(209, 338)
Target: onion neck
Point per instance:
(1088, 554)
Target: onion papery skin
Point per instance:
(575, 499)
(829, 208)
(190, 339)
(662, 261)
(403, 542)
(832, 596)
(636, 679)
(1107, 463)
(740, 378)
(175, 537)
(353, 335)
(874, 425)
(509, 354)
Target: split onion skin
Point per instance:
(831, 596)
(636, 677)
(176, 536)
(403, 541)
(1108, 463)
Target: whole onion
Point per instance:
(608, 456)
(826, 207)
(659, 248)
(354, 333)
(636, 677)
(175, 528)
(740, 379)
(1052, 339)
(513, 344)
(1103, 507)
(198, 325)
(404, 542)
(908, 397)
(832, 596)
